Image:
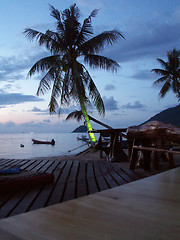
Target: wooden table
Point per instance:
(145, 209)
(152, 137)
(114, 148)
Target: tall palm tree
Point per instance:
(170, 74)
(65, 75)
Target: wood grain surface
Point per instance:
(146, 209)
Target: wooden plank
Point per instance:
(132, 209)
(38, 193)
(5, 197)
(131, 174)
(7, 164)
(81, 180)
(25, 204)
(91, 182)
(82, 171)
(110, 181)
(28, 164)
(102, 184)
(52, 167)
(45, 193)
(156, 149)
(116, 177)
(58, 190)
(45, 166)
(70, 188)
(123, 174)
(12, 164)
(12, 203)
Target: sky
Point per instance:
(151, 28)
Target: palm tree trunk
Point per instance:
(88, 124)
(101, 123)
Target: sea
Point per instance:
(65, 144)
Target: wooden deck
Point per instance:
(145, 209)
(72, 179)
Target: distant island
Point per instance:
(80, 129)
(169, 116)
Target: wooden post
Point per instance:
(134, 156)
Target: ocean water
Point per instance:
(66, 144)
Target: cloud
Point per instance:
(62, 110)
(135, 105)
(109, 87)
(35, 109)
(110, 103)
(144, 75)
(13, 68)
(38, 127)
(16, 98)
(146, 39)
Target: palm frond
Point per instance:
(86, 29)
(54, 44)
(161, 72)
(96, 61)
(99, 42)
(45, 64)
(78, 115)
(55, 13)
(94, 13)
(160, 80)
(45, 83)
(163, 63)
(93, 92)
(56, 92)
(165, 88)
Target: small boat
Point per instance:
(21, 145)
(52, 142)
(83, 138)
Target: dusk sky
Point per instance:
(151, 28)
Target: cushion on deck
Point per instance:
(16, 181)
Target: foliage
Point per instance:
(65, 75)
(170, 74)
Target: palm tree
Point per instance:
(65, 75)
(78, 115)
(170, 74)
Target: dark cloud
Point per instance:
(144, 75)
(109, 87)
(16, 98)
(13, 68)
(135, 105)
(150, 39)
(110, 103)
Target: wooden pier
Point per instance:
(72, 179)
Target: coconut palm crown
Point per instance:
(65, 76)
(170, 74)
